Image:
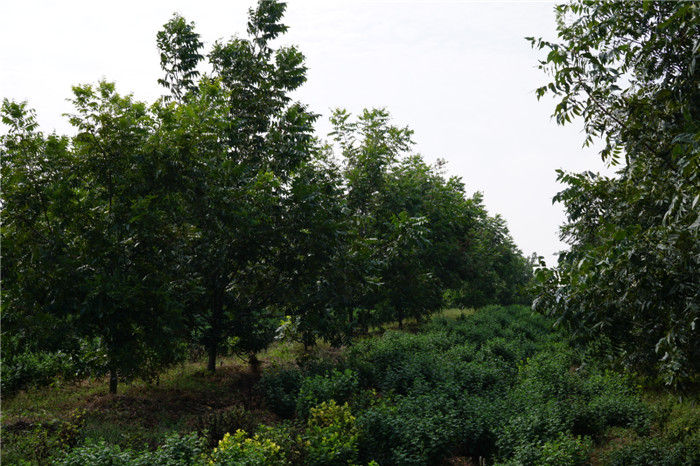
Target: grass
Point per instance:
(411, 324)
(140, 414)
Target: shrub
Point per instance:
(684, 422)
(41, 441)
(332, 435)
(241, 450)
(566, 451)
(424, 429)
(530, 426)
(287, 435)
(480, 378)
(609, 400)
(380, 430)
(313, 364)
(280, 388)
(212, 426)
(336, 385)
(97, 454)
(656, 451)
(176, 450)
(33, 369)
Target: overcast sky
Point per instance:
(458, 73)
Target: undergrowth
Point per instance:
(497, 386)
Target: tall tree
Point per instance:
(179, 47)
(241, 139)
(631, 274)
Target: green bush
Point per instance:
(654, 451)
(176, 450)
(566, 451)
(98, 454)
(331, 436)
(288, 435)
(280, 388)
(684, 422)
(530, 426)
(214, 425)
(240, 450)
(612, 400)
(34, 369)
(479, 377)
(336, 385)
(41, 441)
(380, 430)
(424, 429)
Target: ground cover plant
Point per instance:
(498, 385)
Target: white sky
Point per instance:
(458, 73)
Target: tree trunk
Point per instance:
(254, 363)
(113, 380)
(400, 320)
(211, 350)
(217, 312)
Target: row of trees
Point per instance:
(632, 274)
(206, 217)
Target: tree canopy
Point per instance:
(631, 275)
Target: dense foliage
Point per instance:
(498, 386)
(206, 217)
(632, 274)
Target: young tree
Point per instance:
(123, 223)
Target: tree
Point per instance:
(122, 219)
(37, 273)
(241, 140)
(316, 285)
(91, 216)
(631, 274)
